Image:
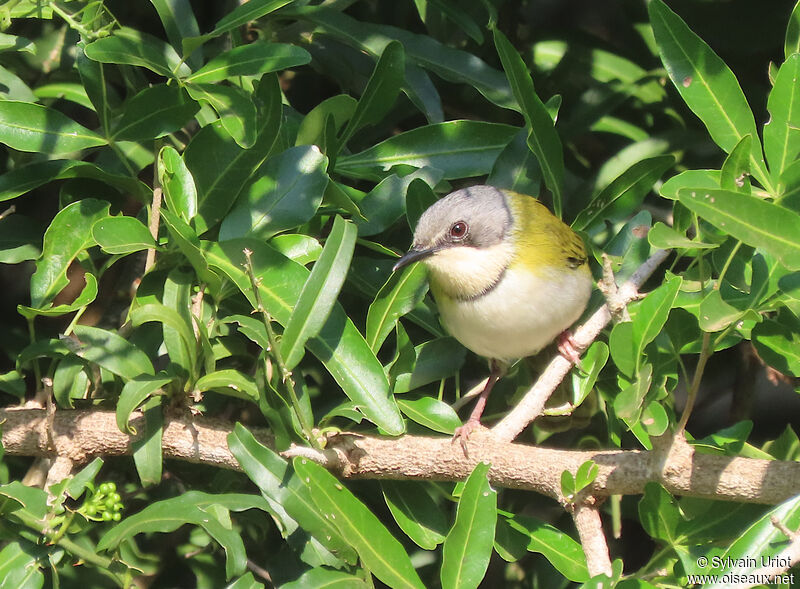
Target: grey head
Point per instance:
(474, 217)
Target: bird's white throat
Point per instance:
(468, 272)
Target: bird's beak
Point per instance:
(413, 255)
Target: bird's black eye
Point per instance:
(459, 230)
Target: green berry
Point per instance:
(116, 516)
(107, 516)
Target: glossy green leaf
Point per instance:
(135, 392)
(287, 194)
(245, 13)
(380, 552)
(16, 43)
(706, 84)
(628, 402)
(543, 138)
(180, 192)
(122, 235)
(188, 243)
(792, 41)
(516, 168)
(629, 189)
(233, 106)
(146, 449)
(66, 91)
(326, 579)
(650, 314)
(460, 149)
(735, 172)
(704, 179)
(250, 60)
(131, 47)
(192, 507)
(401, 293)
(20, 239)
(750, 219)
(385, 204)
(415, 512)
(270, 473)
(665, 237)
(14, 384)
(229, 382)
(431, 413)
(468, 546)
(592, 362)
(339, 345)
(179, 23)
(312, 128)
(26, 178)
(154, 112)
(19, 566)
(564, 553)
(32, 127)
(69, 233)
(782, 131)
(381, 91)
(158, 313)
(31, 499)
(433, 360)
(302, 249)
(220, 167)
(778, 345)
(112, 352)
(70, 381)
(87, 295)
(320, 291)
(761, 540)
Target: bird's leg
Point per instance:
(568, 347)
(462, 433)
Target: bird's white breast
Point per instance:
(519, 316)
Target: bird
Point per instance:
(507, 275)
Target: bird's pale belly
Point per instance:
(520, 316)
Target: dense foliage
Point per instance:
(281, 152)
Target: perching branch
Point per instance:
(81, 435)
(532, 404)
(590, 530)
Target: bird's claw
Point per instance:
(568, 347)
(463, 432)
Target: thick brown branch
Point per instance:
(80, 435)
(590, 530)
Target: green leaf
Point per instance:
(778, 345)
(325, 579)
(180, 192)
(179, 22)
(244, 13)
(220, 167)
(20, 239)
(762, 540)
(122, 235)
(229, 382)
(31, 499)
(703, 179)
(153, 113)
(401, 293)
(19, 566)
(286, 195)
(312, 129)
(706, 84)
(415, 512)
(339, 345)
(131, 47)
(320, 291)
(192, 507)
(516, 168)
(87, 295)
(626, 192)
(32, 127)
(433, 360)
(564, 553)
(431, 413)
(659, 514)
(468, 546)
(233, 106)
(380, 93)
(749, 219)
(171, 318)
(380, 552)
(543, 138)
(665, 237)
(69, 233)
(188, 243)
(792, 43)
(250, 60)
(385, 204)
(460, 149)
(782, 131)
(113, 353)
(26, 178)
(147, 448)
(650, 314)
(299, 248)
(13, 383)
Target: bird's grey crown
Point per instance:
(483, 208)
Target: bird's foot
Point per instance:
(463, 432)
(568, 347)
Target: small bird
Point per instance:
(507, 275)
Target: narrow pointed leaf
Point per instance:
(131, 47)
(112, 352)
(380, 552)
(250, 60)
(319, 292)
(401, 293)
(468, 546)
(122, 235)
(32, 127)
(415, 512)
(153, 113)
(782, 132)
